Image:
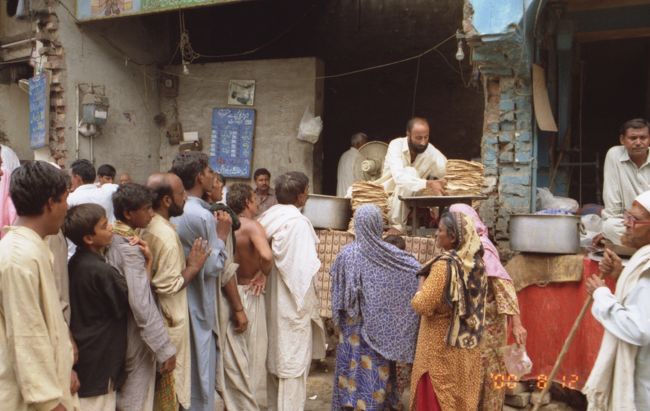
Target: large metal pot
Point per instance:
(554, 234)
(328, 211)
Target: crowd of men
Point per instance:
(158, 303)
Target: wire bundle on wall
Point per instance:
(188, 55)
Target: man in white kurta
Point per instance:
(410, 166)
(295, 330)
(345, 171)
(626, 175)
(620, 379)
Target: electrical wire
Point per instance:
(188, 55)
(74, 17)
(462, 76)
(417, 56)
(444, 58)
(266, 44)
(192, 54)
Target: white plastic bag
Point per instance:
(591, 225)
(517, 361)
(310, 127)
(592, 222)
(546, 200)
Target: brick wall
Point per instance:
(506, 152)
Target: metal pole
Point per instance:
(17, 43)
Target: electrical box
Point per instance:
(94, 109)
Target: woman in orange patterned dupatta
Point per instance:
(500, 306)
(446, 372)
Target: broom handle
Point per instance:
(565, 349)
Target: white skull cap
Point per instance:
(644, 200)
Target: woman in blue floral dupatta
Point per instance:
(373, 283)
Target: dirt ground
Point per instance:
(319, 385)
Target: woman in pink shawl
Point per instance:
(500, 304)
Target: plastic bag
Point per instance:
(590, 226)
(310, 127)
(592, 222)
(517, 361)
(547, 200)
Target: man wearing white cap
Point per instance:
(620, 378)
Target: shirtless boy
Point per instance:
(255, 261)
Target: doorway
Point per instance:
(615, 88)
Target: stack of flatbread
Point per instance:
(364, 192)
(464, 178)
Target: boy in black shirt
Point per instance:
(99, 304)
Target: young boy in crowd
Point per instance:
(147, 339)
(99, 305)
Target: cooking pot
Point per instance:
(328, 211)
(542, 233)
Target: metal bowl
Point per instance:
(541, 233)
(328, 211)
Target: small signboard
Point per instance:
(39, 110)
(231, 141)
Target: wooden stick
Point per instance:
(565, 349)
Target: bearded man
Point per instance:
(171, 274)
(411, 165)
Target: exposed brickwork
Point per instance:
(507, 143)
(49, 53)
(506, 152)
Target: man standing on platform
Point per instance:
(620, 379)
(626, 175)
(410, 166)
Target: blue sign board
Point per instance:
(39, 110)
(231, 142)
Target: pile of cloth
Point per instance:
(464, 178)
(364, 192)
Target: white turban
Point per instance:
(644, 200)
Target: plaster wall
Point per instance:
(14, 119)
(96, 54)
(11, 26)
(14, 103)
(284, 88)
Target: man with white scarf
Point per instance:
(620, 379)
(295, 330)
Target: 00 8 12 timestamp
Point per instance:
(502, 381)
